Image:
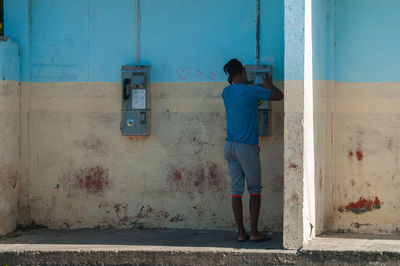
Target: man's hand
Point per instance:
(276, 94)
(267, 80)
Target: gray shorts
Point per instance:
(243, 163)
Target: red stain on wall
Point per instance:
(358, 151)
(359, 155)
(212, 176)
(363, 205)
(93, 179)
(351, 154)
(124, 219)
(177, 175)
(294, 197)
(293, 166)
(199, 178)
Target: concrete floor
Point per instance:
(355, 242)
(188, 247)
(111, 238)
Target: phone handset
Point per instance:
(125, 89)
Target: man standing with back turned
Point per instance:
(241, 147)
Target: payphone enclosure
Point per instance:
(135, 101)
(255, 75)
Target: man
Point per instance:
(241, 147)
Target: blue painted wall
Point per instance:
(183, 40)
(16, 26)
(272, 41)
(323, 20)
(367, 40)
(356, 40)
(9, 61)
(294, 39)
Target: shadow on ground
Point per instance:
(143, 237)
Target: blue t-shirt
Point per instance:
(241, 106)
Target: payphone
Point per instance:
(255, 76)
(135, 104)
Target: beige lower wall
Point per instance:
(323, 141)
(9, 154)
(80, 171)
(356, 158)
(367, 152)
(293, 165)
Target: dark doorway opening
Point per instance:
(1, 18)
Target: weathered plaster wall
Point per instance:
(323, 99)
(80, 172)
(308, 123)
(183, 40)
(323, 151)
(366, 157)
(365, 183)
(83, 173)
(9, 135)
(293, 130)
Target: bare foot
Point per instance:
(257, 236)
(242, 236)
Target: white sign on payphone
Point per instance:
(138, 99)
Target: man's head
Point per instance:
(235, 71)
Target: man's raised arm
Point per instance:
(276, 94)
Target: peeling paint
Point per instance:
(121, 211)
(177, 218)
(363, 205)
(149, 212)
(145, 212)
(358, 225)
(136, 220)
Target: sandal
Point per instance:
(243, 240)
(265, 238)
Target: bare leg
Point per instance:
(254, 206)
(238, 213)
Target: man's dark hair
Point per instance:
(233, 68)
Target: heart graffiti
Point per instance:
(183, 73)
